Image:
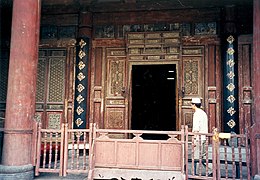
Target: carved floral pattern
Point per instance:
(230, 87)
(231, 98)
(231, 111)
(81, 76)
(230, 39)
(81, 54)
(81, 65)
(230, 51)
(80, 98)
(231, 123)
(117, 77)
(80, 87)
(54, 121)
(78, 122)
(79, 110)
(82, 43)
(191, 77)
(231, 75)
(231, 62)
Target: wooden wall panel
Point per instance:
(97, 115)
(213, 86)
(98, 66)
(69, 92)
(97, 87)
(245, 82)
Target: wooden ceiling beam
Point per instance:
(130, 1)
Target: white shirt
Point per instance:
(200, 122)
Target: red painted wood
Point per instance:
(256, 59)
(20, 106)
(85, 24)
(256, 88)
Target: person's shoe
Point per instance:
(210, 174)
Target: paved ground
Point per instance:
(55, 176)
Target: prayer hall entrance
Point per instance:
(154, 97)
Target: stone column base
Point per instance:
(25, 172)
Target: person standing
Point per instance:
(199, 125)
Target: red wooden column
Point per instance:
(20, 104)
(255, 131)
(85, 24)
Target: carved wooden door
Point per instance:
(116, 102)
(50, 90)
(192, 81)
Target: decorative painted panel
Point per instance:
(192, 81)
(54, 120)
(38, 116)
(206, 28)
(191, 75)
(116, 74)
(230, 85)
(107, 31)
(115, 118)
(114, 31)
(58, 32)
(81, 84)
(153, 46)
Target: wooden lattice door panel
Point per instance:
(192, 80)
(115, 91)
(50, 87)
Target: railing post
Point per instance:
(34, 142)
(92, 136)
(186, 152)
(247, 156)
(64, 152)
(215, 154)
(38, 150)
(183, 147)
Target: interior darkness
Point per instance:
(154, 98)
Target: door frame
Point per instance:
(129, 83)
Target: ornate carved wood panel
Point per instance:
(50, 92)
(245, 82)
(115, 98)
(198, 66)
(192, 80)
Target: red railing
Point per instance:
(130, 150)
(226, 156)
(104, 151)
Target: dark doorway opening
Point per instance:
(154, 97)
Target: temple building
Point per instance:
(126, 65)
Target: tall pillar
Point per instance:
(20, 105)
(230, 74)
(255, 130)
(81, 102)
